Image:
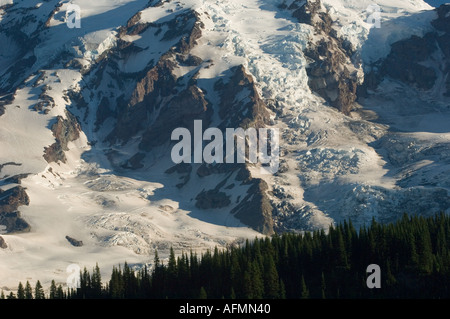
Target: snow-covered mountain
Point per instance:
(359, 90)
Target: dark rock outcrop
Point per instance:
(160, 102)
(135, 162)
(14, 222)
(65, 130)
(10, 201)
(3, 244)
(16, 179)
(413, 60)
(46, 102)
(255, 209)
(240, 106)
(5, 100)
(250, 110)
(184, 170)
(74, 242)
(181, 111)
(19, 25)
(331, 72)
(403, 62)
(310, 12)
(212, 199)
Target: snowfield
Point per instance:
(391, 158)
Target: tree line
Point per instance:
(412, 253)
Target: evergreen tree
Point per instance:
(257, 280)
(28, 291)
(282, 290)
(323, 287)
(96, 282)
(202, 294)
(2, 295)
(271, 279)
(158, 278)
(232, 294)
(304, 291)
(85, 284)
(424, 250)
(130, 282)
(116, 288)
(60, 293)
(412, 252)
(53, 288)
(235, 273)
(341, 252)
(172, 274)
(172, 264)
(156, 260)
(248, 286)
(39, 291)
(20, 291)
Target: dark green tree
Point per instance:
(53, 288)
(202, 294)
(323, 287)
(304, 291)
(28, 291)
(20, 291)
(60, 293)
(96, 283)
(85, 284)
(271, 279)
(39, 291)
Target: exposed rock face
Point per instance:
(212, 199)
(74, 242)
(16, 179)
(181, 111)
(5, 100)
(159, 104)
(311, 12)
(184, 169)
(249, 111)
(240, 106)
(332, 74)
(14, 222)
(255, 209)
(45, 103)
(65, 130)
(156, 99)
(10, 201)
(3, 244)
(244, 109)
(403, 63)
(413, 61)
(22, 40)
(135, 162)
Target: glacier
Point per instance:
(388, 156)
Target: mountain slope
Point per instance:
(87, 116)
